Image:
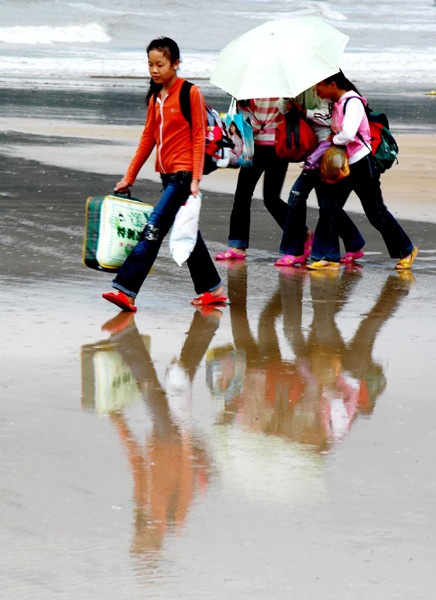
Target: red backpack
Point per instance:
(217, 139)
(384, 148)
(295, 138)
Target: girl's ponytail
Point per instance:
(153, 90)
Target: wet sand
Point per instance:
(280, 447)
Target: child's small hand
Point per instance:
(195, 189)
(294, 105)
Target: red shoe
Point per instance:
(119, 299)
(229, 255)
(208, 298)
(119, 323)
(350, 257)
(207, 310)
(288, 260)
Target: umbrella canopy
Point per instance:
(279, 59)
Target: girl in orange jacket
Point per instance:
(180, 161)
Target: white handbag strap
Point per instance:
(233, 108)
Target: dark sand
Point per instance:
(281, 447)
(409, 108)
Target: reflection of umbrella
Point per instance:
(279, 58)
(267, 468)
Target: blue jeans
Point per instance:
(364, 180)
(294, 234)
(137, 265)
(265, 160)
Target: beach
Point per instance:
(408, 188)
(99, 131)
(278, 446)
(176, 454)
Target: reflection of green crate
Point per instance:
(112, 229)
(108, 384)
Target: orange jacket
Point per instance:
(178, 147)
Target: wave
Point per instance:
(85, 6)
(410, 26)
(383, 66)
(43, 34)
(313, 9)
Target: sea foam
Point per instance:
(42, 34)
(388, 66)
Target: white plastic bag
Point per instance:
(184, 233)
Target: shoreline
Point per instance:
(108, 149)
(410, 109)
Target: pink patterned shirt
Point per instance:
(264, 118)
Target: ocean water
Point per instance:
(69, 42)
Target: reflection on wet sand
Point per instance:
(171, 464)
(277, 415)
(313, 399)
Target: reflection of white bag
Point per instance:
(184, 233)
(178, 390)
(108, 384)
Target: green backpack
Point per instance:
(384, 148)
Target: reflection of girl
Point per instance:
(236, 137)
(171, 465)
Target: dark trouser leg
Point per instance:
(347, 230)
(366, 184)
(332, 198)
(202, 269)
(324, 294)
(295, 230)
(199, 337)
(358, 358)
(237, 289)
(269, 347)
(275, 173)
(292, 303)
(239, 234)
(294, 234)
(334, 222)
(136, 267)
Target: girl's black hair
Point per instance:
(237, 131)
(342, 82)
(170, 49)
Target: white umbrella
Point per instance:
(279, 58)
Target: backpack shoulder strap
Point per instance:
(366, 109)
(185, 101)
(359, 98)
(292, 121)
(184, 98)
